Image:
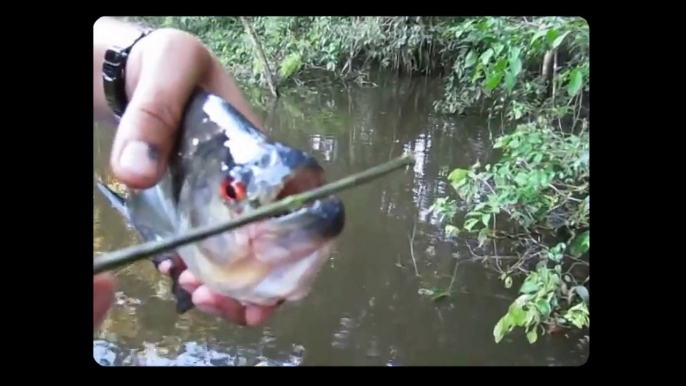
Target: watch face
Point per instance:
(113, 55)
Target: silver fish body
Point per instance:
(224, 167)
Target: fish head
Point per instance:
(271, 260)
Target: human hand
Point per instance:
(212, 303)
(162, 71)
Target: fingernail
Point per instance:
(139, 158)
(165, 267)
(254, 316)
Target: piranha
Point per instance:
(224, 167)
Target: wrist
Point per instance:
(113, 64)
(109, 32)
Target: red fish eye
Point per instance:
(231, 190)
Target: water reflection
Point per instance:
(368, 306)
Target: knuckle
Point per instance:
(175, 37)
(165, 115)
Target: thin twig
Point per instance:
(411, 238)
(129, 255)
(266, 70)
(452, 279)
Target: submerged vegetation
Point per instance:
(532, 73)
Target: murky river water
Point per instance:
(368, 306)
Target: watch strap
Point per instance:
(114, 75)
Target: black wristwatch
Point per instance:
(114, 75)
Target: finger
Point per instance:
(219, 82)
(173, 66)
(214, 304)
(165, 267)
(103, 297)
(168, 262)
(189, 282)
(256, 315)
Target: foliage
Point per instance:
(540, 185)
(502, 58)
(345, 46)
(496, 58)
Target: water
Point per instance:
(368, 306)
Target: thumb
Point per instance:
(171, 68)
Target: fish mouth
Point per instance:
(321, 218)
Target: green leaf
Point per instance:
(485, 218)
(459, 184)
(551, 35)
(457, 175)
(439, 295)
(477, 72)
(576, 80)
(516, 66)
(581, 243)
(584, 158)
(539, 34)
(469, 224)
(509, 81)
(521, 179)
(528, 287)
(517, 315)
(518, 113)
(501, 64)
(493, 80)
(483, 236)
(486, 56)
(582, 292)
(532, 316)
(470, 60)
(542, 178)
(500, 329)
(558, 40)
(498, 48)
(452, 230)
(543, 306)
(514, 53)
(531, 336)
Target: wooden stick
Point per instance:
(129, 255)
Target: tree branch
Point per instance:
(260, 55)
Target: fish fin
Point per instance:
(116, 200)
(184, 299)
